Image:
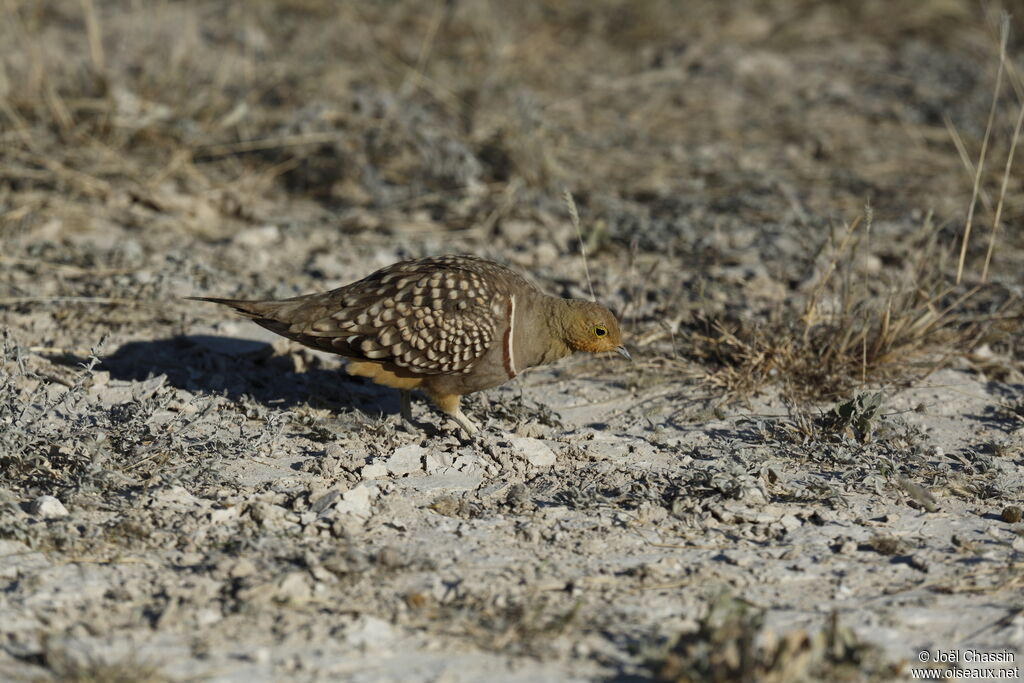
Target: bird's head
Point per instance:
(592, 328)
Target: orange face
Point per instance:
(594, 329)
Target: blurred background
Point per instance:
(716, 149)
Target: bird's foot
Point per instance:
(469, 429)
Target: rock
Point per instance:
(406, 460)
(469, 464)
(221, 515)
(437, 462)
(208, 616)
(375, 470)
(111, 395)
(176, 496)
(241, 568)
(18, 558)
(347, 457)
(370, 633)
(356, 502)
(295, 588)
(324, 500)
(789, 522)
(449, 481)
(546, 254)
(259, 237)
(48, 507)
(1011, 514)
(535, 451)
(518, 231)
(267, 514)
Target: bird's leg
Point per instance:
(405, 404)
(449, 405)
(405, 410)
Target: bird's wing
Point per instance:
(430, 317)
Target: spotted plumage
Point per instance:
(449, 325)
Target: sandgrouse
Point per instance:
(449, 326)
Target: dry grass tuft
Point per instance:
(732, 644)
(852, 328)
(845, 333)
(76, 666)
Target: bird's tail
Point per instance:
(265, 313)
(252, 309)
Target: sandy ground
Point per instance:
(184, 496)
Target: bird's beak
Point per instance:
(623, 352)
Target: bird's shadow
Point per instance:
(239, 368)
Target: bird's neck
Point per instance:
(541, 331)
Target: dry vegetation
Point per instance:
(198, 119)
(792, 205)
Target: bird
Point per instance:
(447, 325)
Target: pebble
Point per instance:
(347, 457)
(323, 500)
(536, 452)
(405, 460)
(375, 470)
(370, 633)
(48, 507)
(241, 568)
(294, 588)
(437, 462)
(1011, 514)
(222, 515)
(258, 237)
(790, 522)
(356, 502)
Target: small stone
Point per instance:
(370, 633)
(790, 522)
(375, 470)
(176, 496)
(19, 559)
(208, 616)
(222, 515)
(1011, 514)
(545, 254)
(406, 460)
(390, 557)
(294, 588)
(535, 451)
(267, 514)
(437, 462)
(322, 501)
(356, 502)
(347, 458)
(518, 231)
(258, 237)
(242, 568)
(48, 507)
(518, 497)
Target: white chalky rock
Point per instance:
(406, 460)
(356, 502)
(48, 507)
(536, 452)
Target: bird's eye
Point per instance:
(600, 330)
